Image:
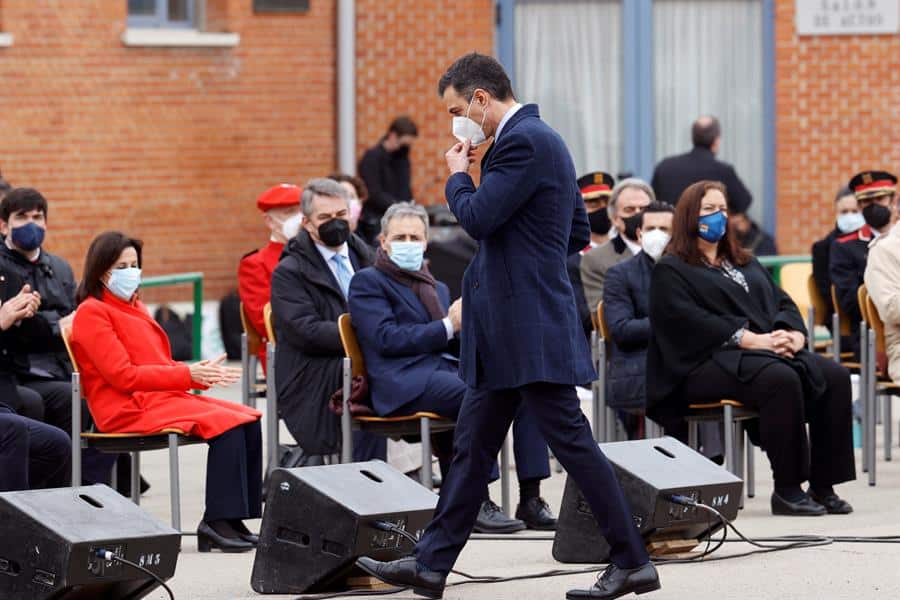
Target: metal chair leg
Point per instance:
(692, 434)
(864, 394)
(346, 419)
(739, 455)
(76, 430)
(728, 415)
(271, 411)
(174, 482)
(598, 422)
(425, 471)
(836, 337)
(871, 409)
(247, 378)
(751, 469)
(504, 478)
(888, 426)
(136, 478)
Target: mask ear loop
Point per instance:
(483, 113)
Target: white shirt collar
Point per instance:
(513, 110)
(633, 246)
(327, 253)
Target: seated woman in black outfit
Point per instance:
(723, 329)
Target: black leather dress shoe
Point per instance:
(834, 504)
(405, 572)
(807, 507)
(615, 582)
(535, 513)
(208, 539)
(245, 533)
(492, 520)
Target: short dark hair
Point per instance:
(656, 207)
(403, 125)
(101, 256)
(844, 191)
(362, 192)
(705, 131)
(685, 228)
(21, 200)
(476, 71)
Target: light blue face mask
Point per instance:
(407, 255)
(123, 283)
(850, 222)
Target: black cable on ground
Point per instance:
(107, 555)
(763, 546)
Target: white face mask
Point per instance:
(849, 222)
(654, 242)
(291, 226)
(465, 128)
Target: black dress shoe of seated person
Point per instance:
(834, 504)
(615, 582)
(806, 507)
(243, 532)
(536, 515)
(492, 520)
(209, 539)
(405, 572)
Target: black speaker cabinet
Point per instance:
(318, 521)
(649, 471)
(48, 540)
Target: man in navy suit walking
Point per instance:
(522, 342)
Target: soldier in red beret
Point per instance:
(280, 206)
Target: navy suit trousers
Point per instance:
(482, 426)
(234, 474)
(444, 395)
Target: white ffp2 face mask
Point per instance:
(291, 226)
(654, 242)
(465, 128)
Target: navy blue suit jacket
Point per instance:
(402, 345)
(626, 308)
(520, 321)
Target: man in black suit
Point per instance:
(848, 219)
(674, 174)
(32, 454)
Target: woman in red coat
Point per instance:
(132, 385)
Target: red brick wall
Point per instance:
(838, 112)
(173, 145)
(403, 48)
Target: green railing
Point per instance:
(179, 279)
(776, 262)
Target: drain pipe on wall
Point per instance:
(346, 84)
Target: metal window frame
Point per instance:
(160, 20)
(638, 134)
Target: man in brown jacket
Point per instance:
(883, 284)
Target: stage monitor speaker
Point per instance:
(50, 539)
(649, 471)
(319, 520)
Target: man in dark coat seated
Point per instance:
(309, 293)
(32, 454)
(406, 328)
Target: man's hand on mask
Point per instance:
(459, 157)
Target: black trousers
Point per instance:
(483, 423)
(234, 474)
(823, 458)
(32, 454)
(444, 395)
(55, 398)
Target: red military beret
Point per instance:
(283, 194)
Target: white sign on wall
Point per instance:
(847, 17)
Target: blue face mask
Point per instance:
(28, 237)
(712, 227)
(850, 222)
(407, 255)
(123, 283)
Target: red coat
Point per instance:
(131, 383)
(255, 287)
